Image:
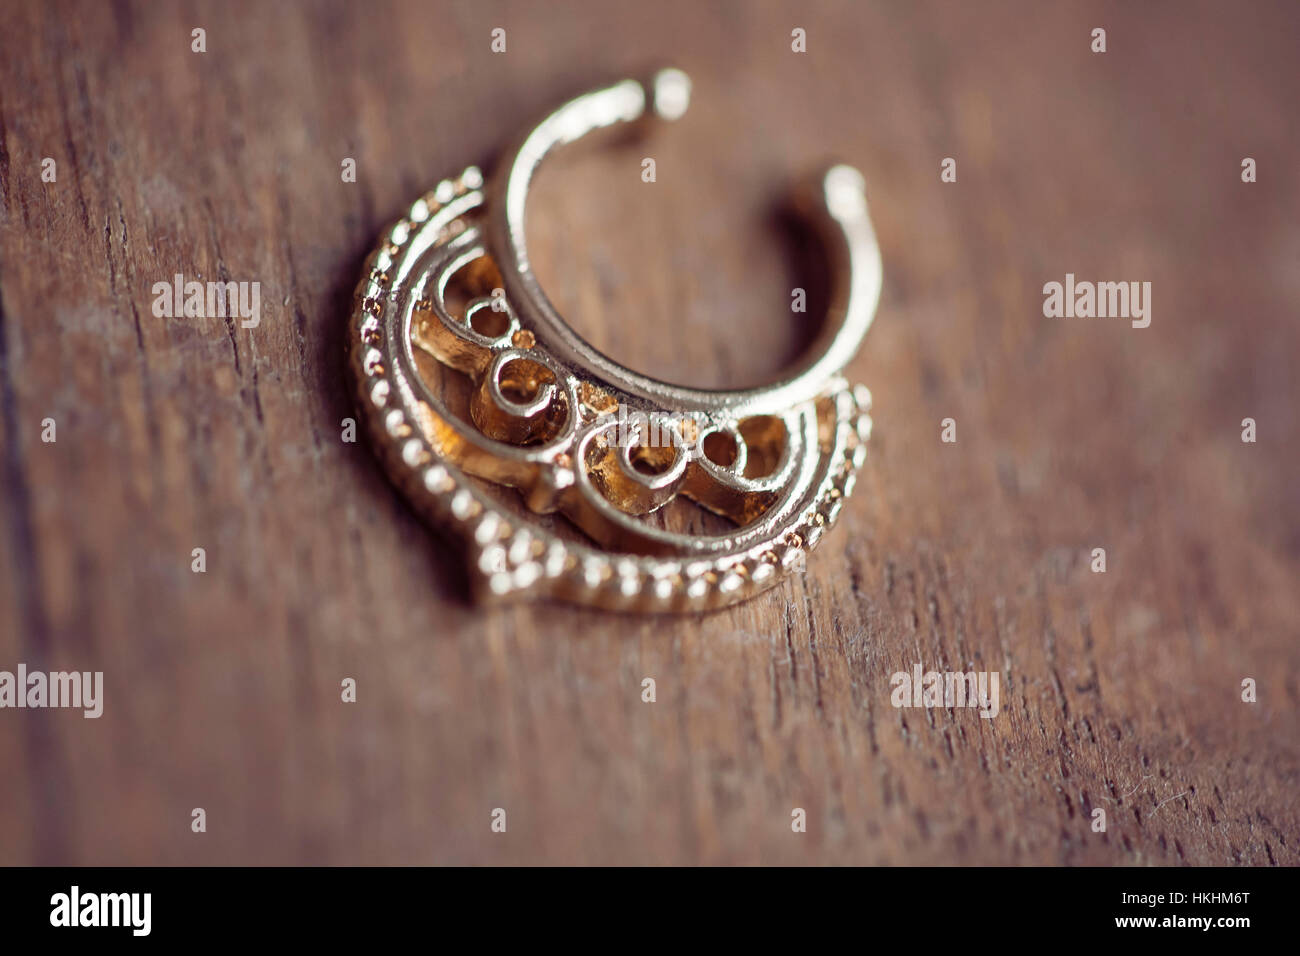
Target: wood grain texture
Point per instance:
(1119, 690)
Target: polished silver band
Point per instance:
(836, 207)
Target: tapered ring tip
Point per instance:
(846, 191)
(670, 90)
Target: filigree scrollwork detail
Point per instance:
(450, 308)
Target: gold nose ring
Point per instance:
(450, 292)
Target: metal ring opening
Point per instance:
(838, 211)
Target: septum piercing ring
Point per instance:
(580, 435)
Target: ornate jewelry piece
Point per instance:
(461, 399)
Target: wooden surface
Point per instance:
(1119, 691)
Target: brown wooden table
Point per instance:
(1120, 691)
